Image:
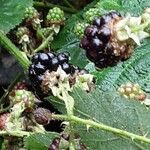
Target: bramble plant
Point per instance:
(85, 72)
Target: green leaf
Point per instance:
(39, 141)
(113, 110)
(135, 7)
(136, 70)
(77, 55)
(12, 12)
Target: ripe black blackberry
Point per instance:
(101, 44)
(43, 63)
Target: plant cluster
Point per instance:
(109, 103)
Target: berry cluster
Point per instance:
(41, 62)
(91, 14)
(42, 116)
(55, 16)
(79, 29)
(101, 44)
(31, 13)
(131, 90)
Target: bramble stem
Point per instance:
(45, 43)
(102, 127)
(15, 133)
(12, 49)
(50, 5)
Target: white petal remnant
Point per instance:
(133, 28)
(58, 81)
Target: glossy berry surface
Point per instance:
(63, 57)
(43, 62)
(66, 67)
(104, 34)
(99, 43)
(97, 22)
(54, 63)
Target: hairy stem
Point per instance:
(12, 49)
(15, 133)
(102, 127)
(50, 5)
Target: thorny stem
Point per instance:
(45, 43)
(102, 127)
(69, 102)
(50, 5)
(12, 49)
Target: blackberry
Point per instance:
(100, 42)
(96, 43)
(39, 68)
(54, 63)
(66, 67)
(42, 116)
(63, 57)
(51, 55)
(91, 14)
(55, 16)
(106, 19)
(79, 29)
(115, 14)
(97, 22)
(43, 59)
(104, 34)
(48, 62)
(132, 90)
(49, 71)
(91, 31)
(31, 13)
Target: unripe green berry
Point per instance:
(91, 14)
(55, 16)
(24, 96)
(79, 29)
(31, 13)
